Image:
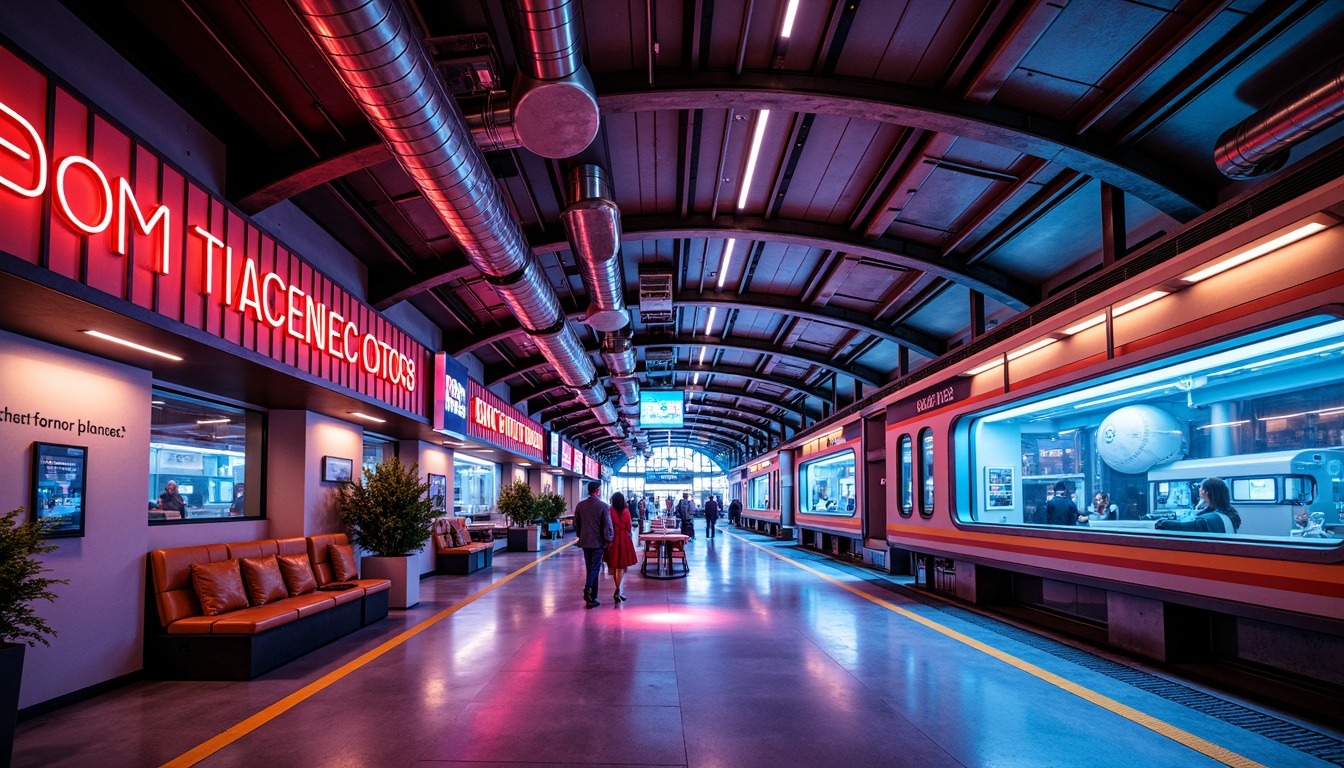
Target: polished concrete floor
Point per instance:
(751, 661)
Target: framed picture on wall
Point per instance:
(998, 487)
(58, 488)
(336, 470)
(438, 491)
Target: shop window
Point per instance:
(926, 471)
(1264, 413)
(826, 485)
(377, 449)
(759, 492)
(475, 484)
(907, 478)
(198, 460)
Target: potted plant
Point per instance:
(551, 506)
(20, 584)
(517, 503)
(389, 516)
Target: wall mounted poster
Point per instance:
(438, 490)
(58, 488)
(998, 487)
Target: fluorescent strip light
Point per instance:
(132, 345)
(702, 355)
(1088, 323)
(212, 421)
(761, 119)
(1304, 231)
(1031, 348)
(1144, 300)
(1322, 412)
(727, 258)
(788, 19)
(992, 364)
(367, 417)
(696, 381)
(709, 325)
(1124, 395)
(1227, 424)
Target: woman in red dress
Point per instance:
(621, 551)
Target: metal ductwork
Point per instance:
(618, 352)
(1260, 144)
(490, 119)
(593, 225)
(382, 61)
(555, 110)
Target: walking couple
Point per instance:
(603, 532)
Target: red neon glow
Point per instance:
(126, 202)
(39, 167)
(63, 200)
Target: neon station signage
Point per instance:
(82, 198)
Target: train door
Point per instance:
(875, 477)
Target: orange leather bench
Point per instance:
(461, 559)
(182, 642)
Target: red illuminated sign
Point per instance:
(566, 456)
(489, 418)
(83, 199)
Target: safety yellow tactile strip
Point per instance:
(208, 748)
(1224, 756)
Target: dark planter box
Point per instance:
(11, 673)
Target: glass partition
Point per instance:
(758, 492)
(826, 485)
(198, 460)
(1263, 413)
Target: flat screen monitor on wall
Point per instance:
(661, 409)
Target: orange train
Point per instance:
(1061, 462)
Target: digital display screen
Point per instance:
(661, 409)
(1254, 489)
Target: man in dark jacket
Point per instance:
(686, 514)
(711, 516)
(734, 512)
(593, 529)
(1060, 509)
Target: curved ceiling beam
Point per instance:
(579, 410)
(728, 445)
(862, 374)
(738, 371)
(707, 415)
(1162, 187)
(920, 342)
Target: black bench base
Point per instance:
(463, 563)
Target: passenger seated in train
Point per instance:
(1214, 514)
(1308, 524)
(1101, 508)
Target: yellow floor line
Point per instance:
(282, 706)
(1185, 738)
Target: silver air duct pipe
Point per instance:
(593, 224)
(554, 102)
(1260, 144)
(378, 55)
(490, 119)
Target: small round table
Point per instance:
(665, 543)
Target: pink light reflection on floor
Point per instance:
(661, 615)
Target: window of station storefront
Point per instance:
(1263, 413)
(475, 485)
(376, 450)
(670, 472)
(198, 460)
(826, 485)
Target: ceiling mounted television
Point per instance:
(661, 409)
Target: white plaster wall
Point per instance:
(298, 503)
(432, 459)
(98, 616)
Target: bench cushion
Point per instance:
(312, 602)
(466, 549)
(251, 621)
(298, 573)
(219, 587)
(261, 576)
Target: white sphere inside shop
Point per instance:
(1136, 437)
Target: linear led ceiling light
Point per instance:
(696, 381)
(1083, 326)
(1047, 341)
(789, 15)
(727, 257)
(1287, 238)
(1142, 301)
(761, 118)
(132, 345)
(991, 365)
(709, 324)
(212, 421)
(702, 356)
(367, 417)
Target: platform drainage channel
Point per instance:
(1314, 743)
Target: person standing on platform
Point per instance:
(1060, 509)
(711, 516)
(734, 512)
(621, 551)
(592, 528)
(686, 514)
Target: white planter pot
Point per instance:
(404, 573)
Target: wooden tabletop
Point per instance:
(663, 537)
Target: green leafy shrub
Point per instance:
(20, 584)
(390, 513)
(550, 506)
(517, 504)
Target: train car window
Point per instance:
(1131, 452)
(826, 485)
(758, 492)
(926, 471)
(907, 478)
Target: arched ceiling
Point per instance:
(926, 171)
